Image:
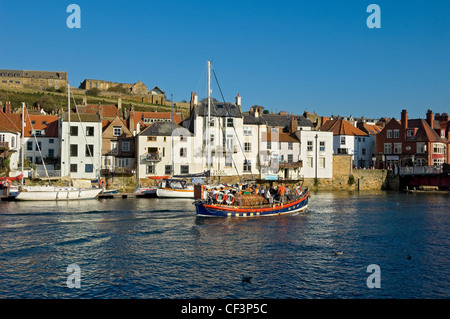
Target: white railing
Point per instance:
(419, 170)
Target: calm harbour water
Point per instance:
(158, 248)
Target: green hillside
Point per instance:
(53, 101)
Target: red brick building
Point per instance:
(414, 142)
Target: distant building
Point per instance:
(348, 139)
(163, 149)
(42, 142)
(226, 137)
(316, 153)
(118, 148)
(81, 151)
(372, 131)
(137, 121)
(41, 80)
(10, 133)
(414, 142)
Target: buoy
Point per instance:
(230, 199)
(219, 197)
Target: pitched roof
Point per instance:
(49, 123)
(371, 129)
(156, 89)
(276, 120)
(424, 132)
(138, 117)
(282, 137)
(218, 109)
(107, 110)
(164, 129)
(117, 121)
(341, 127)
(10, 122)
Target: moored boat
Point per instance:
(175, 188)
(148, 191)
(250, 205)
(52, 193)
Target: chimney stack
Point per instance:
(430, 117)
(119, 105)
(238, 99)
(293, 125)
(404, 120)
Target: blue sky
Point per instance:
(285, 55)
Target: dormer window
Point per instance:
(117, 131)
(442, 133)
(38, 132)
(409, 133)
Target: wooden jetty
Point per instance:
(124, 195)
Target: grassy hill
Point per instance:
(53, 101)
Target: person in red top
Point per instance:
(282, 192)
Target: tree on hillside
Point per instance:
(3, 97)
(47, 103)
(93, 91)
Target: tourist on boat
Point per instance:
(269, 196)
(282, 192)
(262, 192)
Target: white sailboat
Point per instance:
(52, 193)
(175, 188)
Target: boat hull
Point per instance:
(145, 191)
(213, 210)
(175, 193)
(57, 194)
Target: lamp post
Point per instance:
(316, 154)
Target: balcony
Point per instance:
(4, 145)
(286, 164)
(150, 157)
(223, 151)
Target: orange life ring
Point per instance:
(219, 200)
(297, 190)
(229, 202)
(7, 183)
(102, 183)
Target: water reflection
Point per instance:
(153, 248)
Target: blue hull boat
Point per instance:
(298, 204)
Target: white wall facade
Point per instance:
(13, 140)
(84, 164)
(227, 147)
(316, 153)
(154, 155)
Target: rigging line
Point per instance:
(232, 160)
(199, 84)
(234, 128)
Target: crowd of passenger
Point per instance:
(278, 194)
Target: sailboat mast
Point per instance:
(171, 115)
(208, 125)
(68, 130)
(22, 140)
